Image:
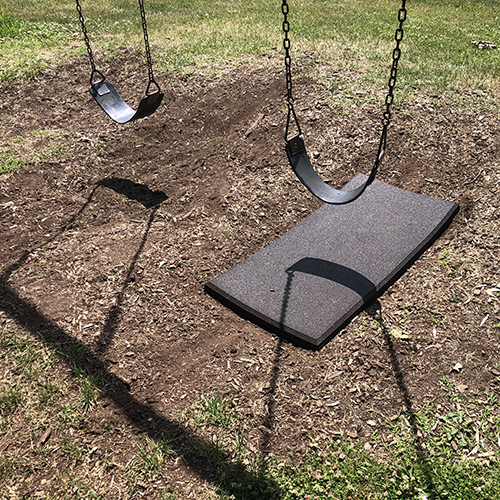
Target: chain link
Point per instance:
(85, 36)
(396, 55)
(285, 9)
(148, 51)
(389, 99)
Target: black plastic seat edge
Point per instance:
(117, 109)
(304, 170)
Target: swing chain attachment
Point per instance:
(148, 51)
(285, 9)
(296, 143)
(89, 47)
(389, 99)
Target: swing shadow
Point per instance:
(202, 456)
(362, 286)
(135, 191)
(422, 457)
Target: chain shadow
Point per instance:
(116, 311)
(269, 420)
(202, 456)
(375, 311)
(317, 267)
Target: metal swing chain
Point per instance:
(148, 51)
(87, 43)
(396, 55)
(389, 99)
(285, 9)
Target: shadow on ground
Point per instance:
(203, 457)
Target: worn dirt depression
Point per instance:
(109, 233)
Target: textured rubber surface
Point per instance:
(311, 282)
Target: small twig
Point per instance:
(475, 178)
(254, 125)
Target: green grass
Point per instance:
(346, 471)
(431, 456)
(353, 37)
(9, 163)
(10, 27)
(9, 399)
(152, 457)
(213, 410)
(28, 46)
(447, 451)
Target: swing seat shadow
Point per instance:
(135, 191)
(334, 272)
(347, 278)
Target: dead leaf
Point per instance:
(44, 437)
(397, 333)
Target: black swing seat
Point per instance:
(302, 166)
(117, 109)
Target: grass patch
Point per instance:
(429, 455)
(356, 38)
(10, 27)
(213, 410)
(152, 457)
(10, 399)
(10, 163)
(346, 471)
(41, 145)
(28, 46)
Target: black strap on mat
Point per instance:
(295, 147)
(105, 93)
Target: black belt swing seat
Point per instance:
(295, 147)
(105, 93)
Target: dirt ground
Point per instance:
(107, 243)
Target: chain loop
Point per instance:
(148, 51)
(87, 43)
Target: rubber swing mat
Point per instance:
(307, 285)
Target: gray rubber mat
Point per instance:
(311, 282)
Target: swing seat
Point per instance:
(302, 166)
(117, 109)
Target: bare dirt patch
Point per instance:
(107, 243)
